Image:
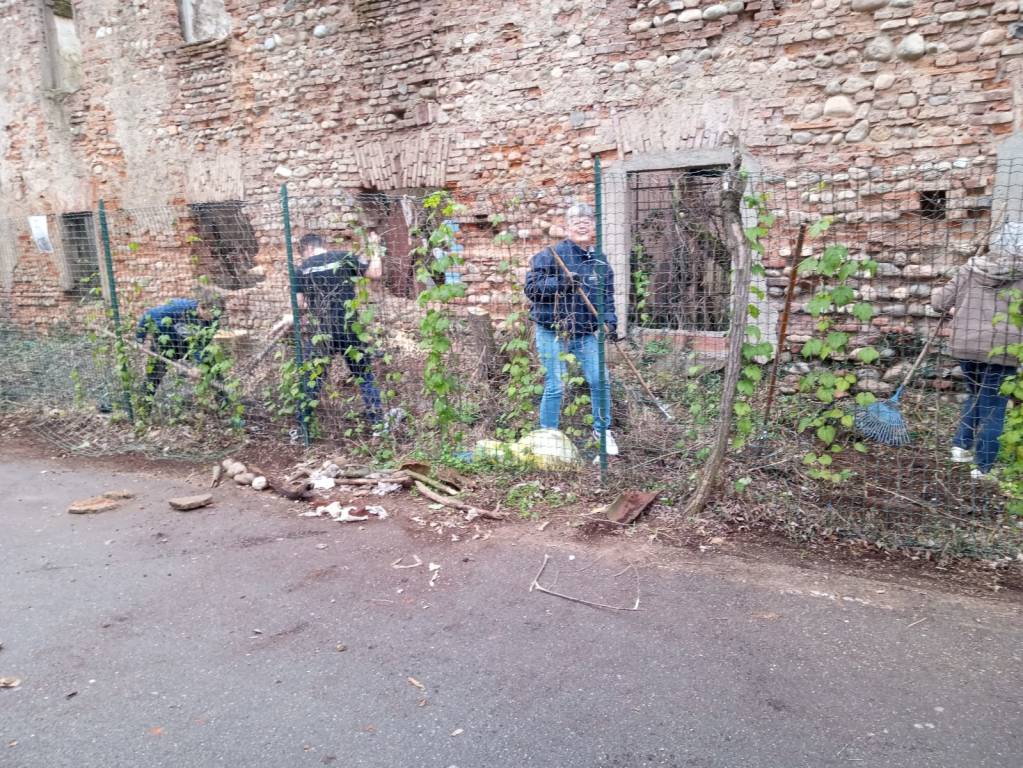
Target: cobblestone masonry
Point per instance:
(388, 96)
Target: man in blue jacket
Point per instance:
(175, 327)
(566, 325)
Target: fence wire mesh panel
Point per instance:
(876, 432)
(531, 332)
(59, 376)
(200, 286)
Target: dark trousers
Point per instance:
(175, 348)
(357, 357)
(983, 416)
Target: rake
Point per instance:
(882, 421)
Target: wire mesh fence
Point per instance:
(583, 330)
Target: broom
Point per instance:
(882, 421)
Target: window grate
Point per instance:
(81, 257)
(680, 266)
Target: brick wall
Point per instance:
(368, 94)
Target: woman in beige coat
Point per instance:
(978, 295)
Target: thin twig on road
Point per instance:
(540, 588)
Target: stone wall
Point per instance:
(393, 96)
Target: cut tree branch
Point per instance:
(735, 237)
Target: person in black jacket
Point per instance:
(325, 281)
(566, 325)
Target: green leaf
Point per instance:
(867, 355)
(808, 266)
(819, 227)
(819, 304)
(826, 434)
(812, 348)
(847, 270)
(837, 340)
(832, 258)
(863, 312)
(842, 295)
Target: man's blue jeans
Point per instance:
(983, 417)
(551, 348)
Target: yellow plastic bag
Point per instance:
(548, 449)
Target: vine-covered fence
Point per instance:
(406, 329)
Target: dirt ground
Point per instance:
(660, 535)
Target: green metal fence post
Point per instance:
(603, 404)
(115, 311)
(296, 326)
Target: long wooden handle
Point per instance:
(923, 352)
(569, 274)
(271, 344)
(783, 324)
(187, 370)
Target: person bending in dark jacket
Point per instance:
(325, 281)
(565, 325)
(178, 328)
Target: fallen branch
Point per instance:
(448, 501)
(431, 482)
(400, 479)
(540, 588)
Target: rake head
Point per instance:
(883, 423)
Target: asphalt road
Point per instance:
(147, 637)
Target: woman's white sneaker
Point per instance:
(610, 444)
(961, 455)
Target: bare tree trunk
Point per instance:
(735, 238)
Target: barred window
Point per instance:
(680, 267)
(64, 46)
(203, 20)
(80, 254)
(226, 244)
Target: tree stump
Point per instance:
(481, 347)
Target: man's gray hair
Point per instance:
(579, 211)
